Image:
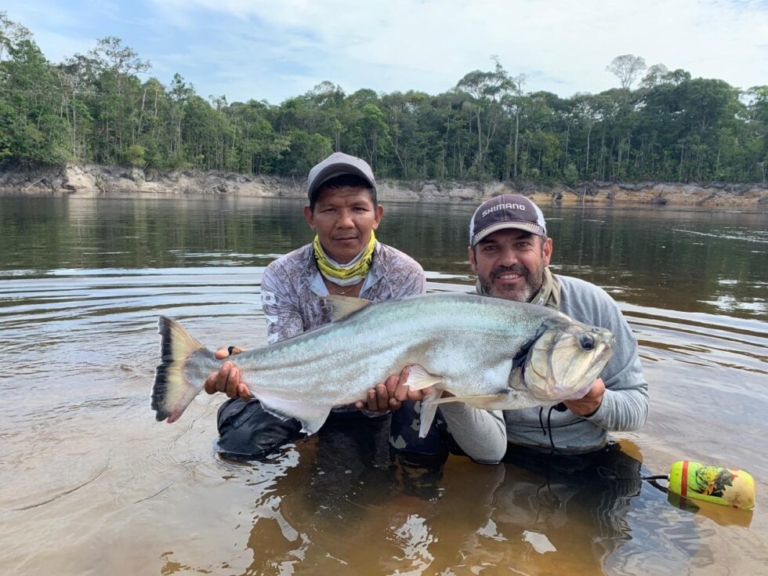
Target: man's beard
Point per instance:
(533, 280)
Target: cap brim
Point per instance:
(531, 227)
(334, 170)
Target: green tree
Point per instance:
(31, 125)
(98, 108)
(486, 91)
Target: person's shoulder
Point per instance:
(289, 270)
(576, 289)
(572, 283)
(290, 274)
(392, 257)
(582, 298)
(298, 257)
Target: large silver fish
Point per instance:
(488, 352)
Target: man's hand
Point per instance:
(590, 402)
(390, 394)
(227, 379)
(381, 398)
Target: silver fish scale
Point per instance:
(468, 340)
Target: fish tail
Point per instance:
(171, 391)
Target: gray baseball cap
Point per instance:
(338, 164)
(504, 212)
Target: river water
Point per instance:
(91, 484)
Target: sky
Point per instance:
(276, 49)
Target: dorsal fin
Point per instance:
(343, 306)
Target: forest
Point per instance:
(657, 124)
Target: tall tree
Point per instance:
(627, 68)
(11, 33)
(486, 91)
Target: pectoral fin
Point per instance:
(502, 401)
(508, 399)
(419, 378)
(486, 402)
(428, 411)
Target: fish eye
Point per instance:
(586, 341)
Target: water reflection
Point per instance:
(535, 514)
(686, 261)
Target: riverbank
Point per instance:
(92, 180)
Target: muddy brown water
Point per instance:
(91, 484)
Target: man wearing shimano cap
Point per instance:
(510, 252)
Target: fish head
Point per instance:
(564, 361)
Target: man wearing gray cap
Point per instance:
(345, 259)
(510, 252)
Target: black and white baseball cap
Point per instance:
(504, 212)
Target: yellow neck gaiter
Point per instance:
(344, 274)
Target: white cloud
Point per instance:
(563, 46)
(276, 49)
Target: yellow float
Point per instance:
(726, 486)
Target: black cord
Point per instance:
(549, 427)
(659, 477)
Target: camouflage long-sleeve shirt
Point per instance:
(292, 283)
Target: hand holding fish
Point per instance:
(227, 379)
(590, 402)
(390, 394)
(381, 398)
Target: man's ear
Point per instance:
(309, 217)
(378, 213)
(471, 256)
(546, 251)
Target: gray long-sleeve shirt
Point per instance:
(625, 403)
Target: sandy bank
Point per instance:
(91, 180)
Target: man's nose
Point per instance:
(345, 219)
(507, 256)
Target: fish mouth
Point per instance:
(563, 364)
(562, 392)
